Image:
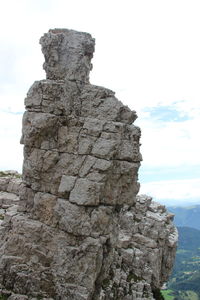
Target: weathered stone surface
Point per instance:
(67, 183)
(68, 54)
(75, 227)
(85, 192)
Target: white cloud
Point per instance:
(11, 100)
(182, 190)
(171, 144)
(10, 150)
(147, 51)
(137, 48)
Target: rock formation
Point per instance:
(81, 231)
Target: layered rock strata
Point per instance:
(81, 231)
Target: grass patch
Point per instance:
(179, 295)
(189, 295)
(2, 174)
(3, 297)
(167, 294)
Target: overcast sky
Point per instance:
(147, 51)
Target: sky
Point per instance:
(148, 52)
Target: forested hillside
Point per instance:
(185, 280)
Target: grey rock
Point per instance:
(67, 183)
(10, 181)
(68, 54)
(18, 297)
(74, 227)
(85, 192)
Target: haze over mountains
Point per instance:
(186, 216)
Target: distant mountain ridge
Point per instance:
(186, 216)
(189, 239)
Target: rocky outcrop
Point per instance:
(10, 183)
(81, 231)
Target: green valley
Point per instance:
(184, 283)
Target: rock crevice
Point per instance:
(81, 231)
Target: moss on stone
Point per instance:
(115, 290)
(157, 294)
(131, 276)
(105, 283)
(2, 174)
(3, 297)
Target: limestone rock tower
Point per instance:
(81, 231)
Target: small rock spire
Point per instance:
(68, 54)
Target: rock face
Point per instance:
(81, 231)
